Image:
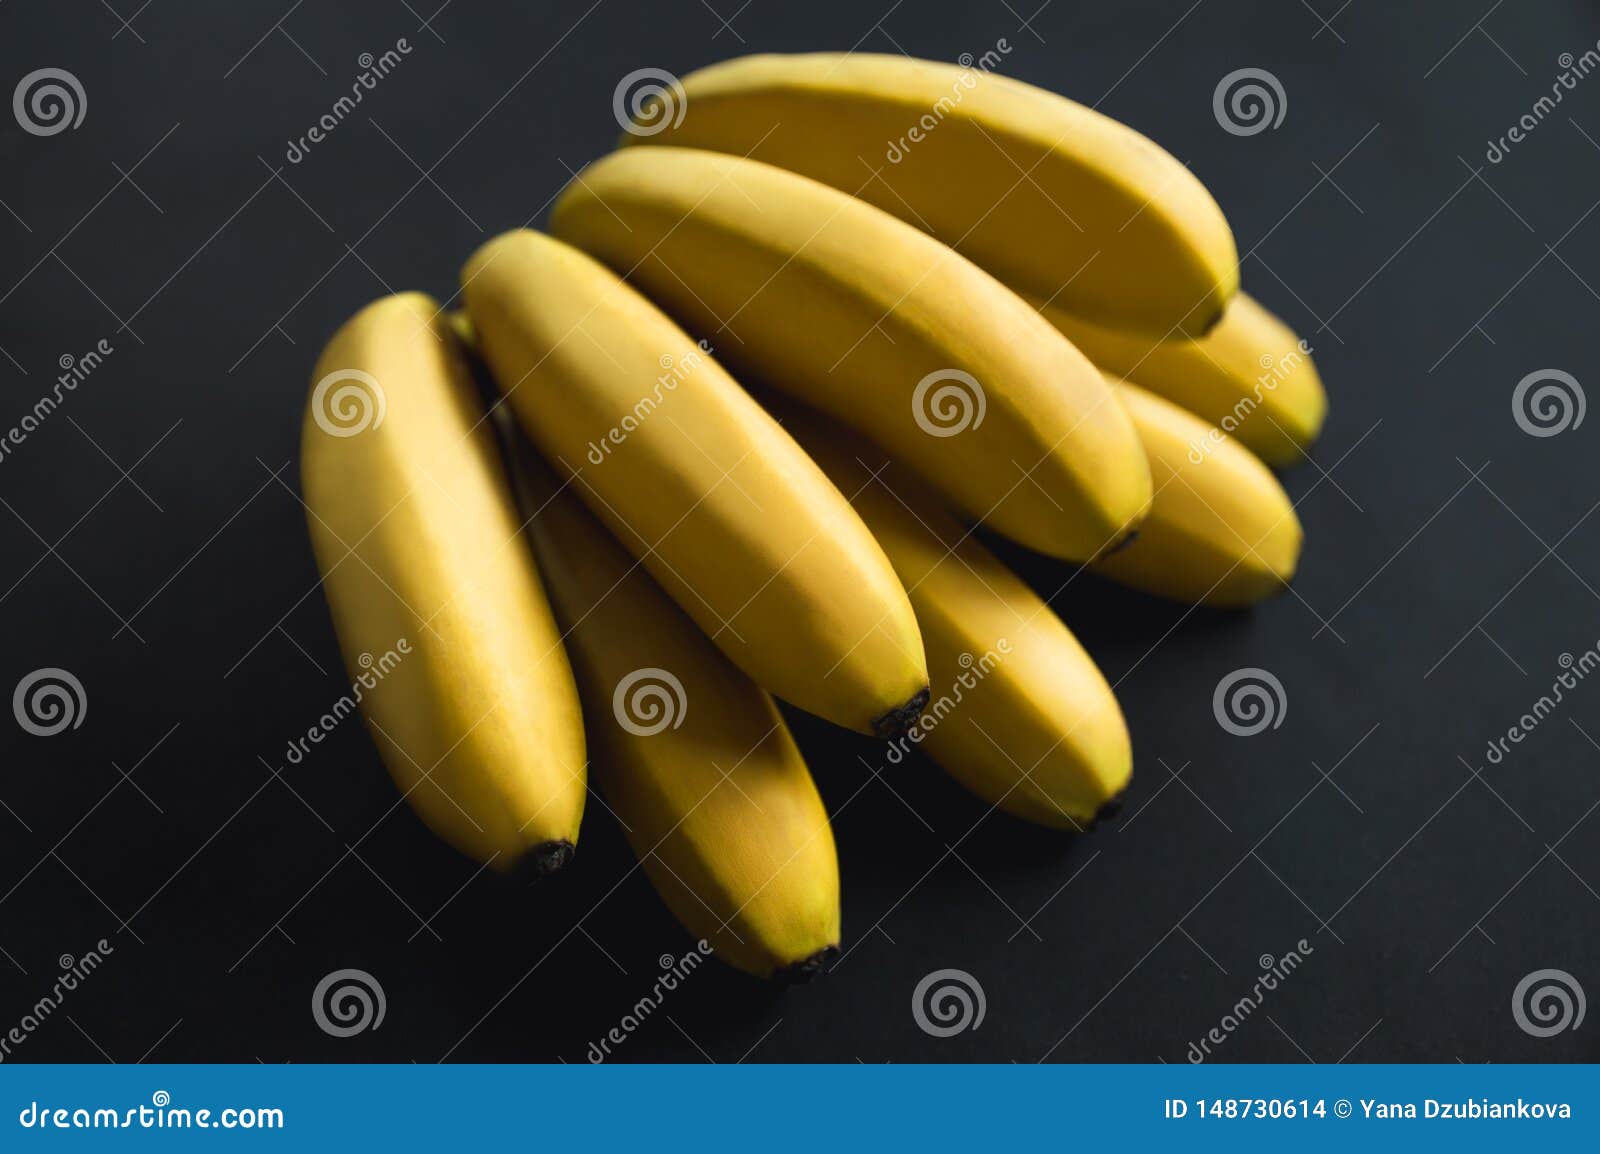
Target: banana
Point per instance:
(881, 326)
(1251, 376)
(692, 757)
(698, 482)
(1221, 530)
(1046, 194)
(1021, 715)
(477, 715)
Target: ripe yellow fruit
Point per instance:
(1020, 714)
(738, 525)
(1251, 376)
(845, 308)
(415, 533)
(1046, 194)
(1221, 530)
(690, 755)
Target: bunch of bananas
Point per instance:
(1025, 318)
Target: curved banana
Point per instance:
(881, 326)
(690, 755)
(1046, 194)
(1251, 376)
(698, 482)
(1221, 530)
(414, 529)
(1020, 714)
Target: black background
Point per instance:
(152, 543)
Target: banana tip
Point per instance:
(897, 720)
(542, 860)
(803, 971)
(1108, 809)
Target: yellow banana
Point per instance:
(691, 756)
(1251, 376)
(881, 326)
(1020, 714)
(414, 529)
(1046, 194)
(698, 482)
(1221, 530)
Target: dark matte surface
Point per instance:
(152, 543)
